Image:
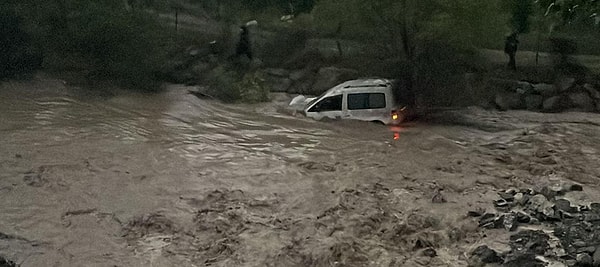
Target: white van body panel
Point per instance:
(366, 100)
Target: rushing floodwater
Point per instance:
(125, 179)
(67, 151)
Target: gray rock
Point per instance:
(501, 203)
(522, 259)
(511, 191)
(491, 221)
(429, 252)
(476, 213)
(523, 218)
(582, 101)
(545, 90)
(279, 84)
(573, 187)
(553, 104)
(6, 263)
(200, 68)
(510, 222)
(486, 255)
(534, 102)
(592, 217)
(566, 83)
(524, 87)
(595, 94)
(541, 205)
(584, 259)
(303, 87)
(297, 75)
(552, 191)
(507, 196)
(331, 76)
(596, 258)
(277, 72)
(588, 250)
(563, 205)
(508, 101)
(519, 198)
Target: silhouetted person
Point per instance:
(243, 46)
(510, 48)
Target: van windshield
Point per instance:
(316, 99)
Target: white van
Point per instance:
(365, 99)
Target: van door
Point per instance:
(329, 107)
(367, 106)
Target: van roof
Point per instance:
(360, 85)
(366, 83)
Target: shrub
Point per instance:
(221, 82)
(237, 85)
(253, 88)
(104, 39)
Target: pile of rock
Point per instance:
(565, 95)
(6, 263)
(575, 227)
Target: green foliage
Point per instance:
(583, 12)
(253, 88)
(282, 43)
(401, 26)
(237, 85)
(232, 10)
(221, 84)
(521, 11)
(108, 40)
(432, 40)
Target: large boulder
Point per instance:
(303, 86)
(555, 104)
(582, 101)
(507, 101)
(534, 102)
(278, 79)
(277, 72)
(300, 74)
(279, 84)
(544, 89)
(524, 88)
(328, 77)
(565, 83)
(595, 94)
(511, 85)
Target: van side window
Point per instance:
(332, 103)
(366, 101)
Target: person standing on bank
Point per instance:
(510, 48)
(243, 46)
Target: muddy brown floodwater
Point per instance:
(127, 179)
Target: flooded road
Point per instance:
(127, 179)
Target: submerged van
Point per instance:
(365, 99)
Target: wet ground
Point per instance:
(125, 179)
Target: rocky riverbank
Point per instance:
(567, 94)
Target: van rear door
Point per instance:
(367, 106)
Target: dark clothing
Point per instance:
(243, 46)
(510, 47)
